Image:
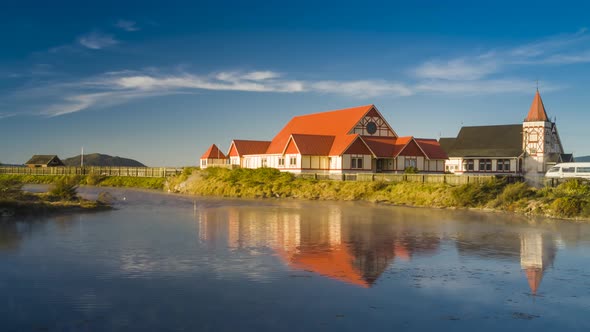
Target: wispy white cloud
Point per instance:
(6, 115)
(224, 81)
(119, 87)
(481, 87)
(96, 40)
(457, 69)
(487, 72)
(127, 25)
(557, 50)
(363, 88)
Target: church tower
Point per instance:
(541, 142)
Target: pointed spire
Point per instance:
(537, 111)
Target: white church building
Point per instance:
(531, 147)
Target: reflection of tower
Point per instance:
(233, 231)
(335, 226)
(537, 252)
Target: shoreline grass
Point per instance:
(570, 200)
(62, 198)
(91, 180)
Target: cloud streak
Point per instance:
(120, 87)
(476, 74)
(96, 40)
(558, 50)
(129, 26)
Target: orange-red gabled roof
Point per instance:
(213, 153)
(245, 147)
(400, 144)
(383, 147)
(342, 143)
(312, 145)
(332, 123)
(537, 111)
(431, 148)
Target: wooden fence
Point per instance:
(152, 172)
(167, 171)
(421, 178)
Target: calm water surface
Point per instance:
(169, 263)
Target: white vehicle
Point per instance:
(569, 170)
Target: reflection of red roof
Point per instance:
(537, 110)
(335, 264)
(431, 148)
(402, 252)
(240, 147)
(213, 153)
(333, 123)
(534, 276)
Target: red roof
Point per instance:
(391, 147)
(213, 153)
(431, 148)
(244, 147)
(537, 111)
(332, 123)
(313, 145)
(383, 147)
(387, 147)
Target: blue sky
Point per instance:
(160, 82)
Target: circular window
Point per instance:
(371, 128)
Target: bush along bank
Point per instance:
(569, 200)
(61, 198)
(91, 180)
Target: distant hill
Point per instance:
(582, 159)
(97, 159)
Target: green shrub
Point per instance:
(93, 179)
(65, 188)
(567, 206)
(475, 195)
(515, 192)
(411, 170)
(105, 198)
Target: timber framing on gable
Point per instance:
(382, 127)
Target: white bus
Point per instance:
(569, 170)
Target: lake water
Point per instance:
(171, 263)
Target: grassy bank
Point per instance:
(62, 198)
(569, 200)
(92, 180)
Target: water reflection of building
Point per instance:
(536, 250)
(326, 241)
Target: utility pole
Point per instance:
(82, 158)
